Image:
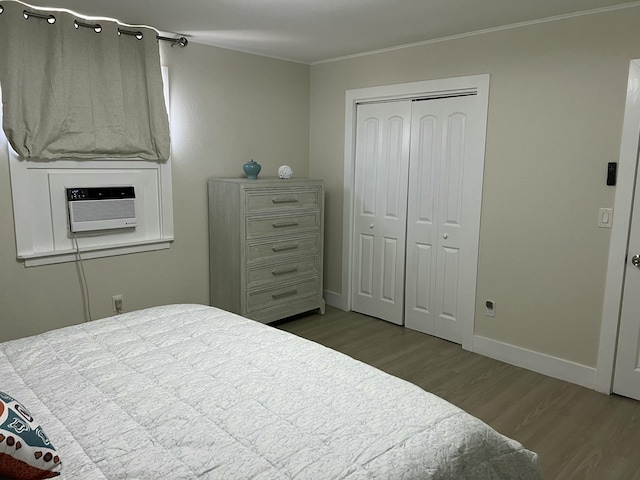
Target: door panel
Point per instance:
(446, 164)
(447, 294)
(395, 186)
(365, 272)
(389, 267)
(626, 380)
(380, 192)
(452, 164)
(421, 284)
(426, 173)
(370, 144)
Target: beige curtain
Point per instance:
(69, 92)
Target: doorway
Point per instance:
(618, 368)
(356, 246)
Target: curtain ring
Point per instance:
(26, 14)
(95, 26)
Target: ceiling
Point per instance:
(310, 31)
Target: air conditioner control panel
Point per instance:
(100, 193)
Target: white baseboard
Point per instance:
(536, 361)
(334, 299)
(521, 357)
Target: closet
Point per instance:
(416, 219)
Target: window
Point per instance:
(40, 207)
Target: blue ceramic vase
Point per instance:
(252, 169)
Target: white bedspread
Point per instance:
(193, 392)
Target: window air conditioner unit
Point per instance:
(101, 208)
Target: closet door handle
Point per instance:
(635, 261)
(285, 224)
(277, 296)
(284, 271)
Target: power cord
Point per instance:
(84, 278)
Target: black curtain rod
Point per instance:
(180, 41)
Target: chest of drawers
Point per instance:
(266, 246)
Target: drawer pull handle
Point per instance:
(284, 248)
(276, 296)
(285, 224)
(284, 200)
(284, 271)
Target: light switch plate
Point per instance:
(605, 217)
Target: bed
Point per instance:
(194, 392)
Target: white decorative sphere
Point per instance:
(285, 171)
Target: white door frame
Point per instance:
(627, 170)
(478, 84)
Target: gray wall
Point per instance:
(227, 107)
(555, 116)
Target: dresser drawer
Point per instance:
(266, 298)
(279, 200)
(296, 246)
(258, 227)
(286, 270)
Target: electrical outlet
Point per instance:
(490, 308)
(117, 301)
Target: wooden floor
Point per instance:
(578, 433)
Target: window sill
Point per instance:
(48, 258)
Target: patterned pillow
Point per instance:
(25, 451)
